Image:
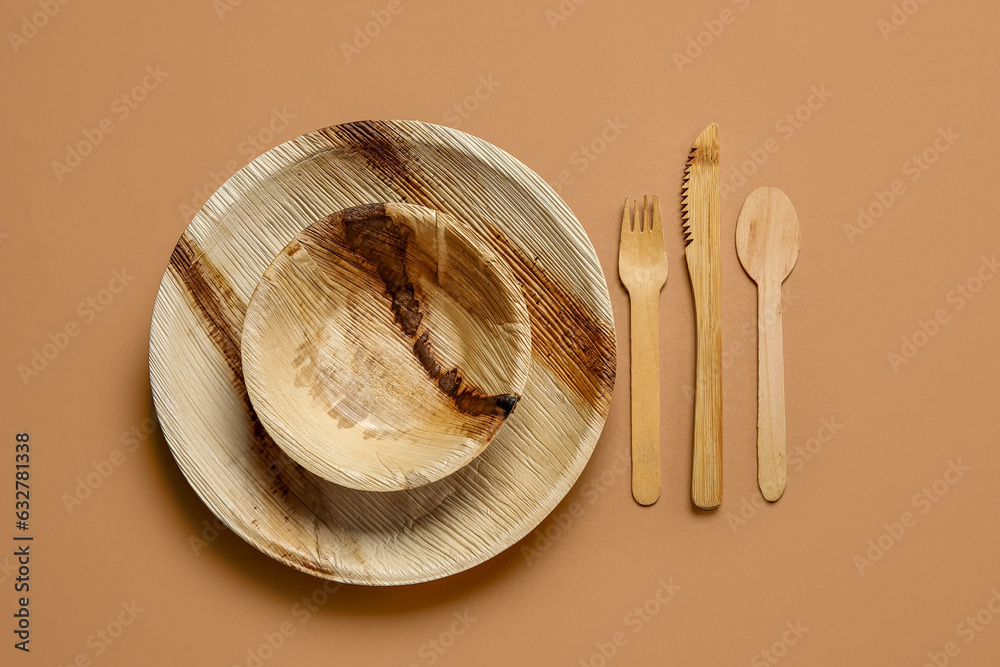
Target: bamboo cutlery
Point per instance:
(700, 208)
(767, 240)
(642, 265)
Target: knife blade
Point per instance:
(700, 208)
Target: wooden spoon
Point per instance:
(767, 241)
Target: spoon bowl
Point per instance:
(767, 236)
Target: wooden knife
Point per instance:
(700, 193)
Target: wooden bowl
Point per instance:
(384, 347)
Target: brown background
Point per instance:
(559, 83)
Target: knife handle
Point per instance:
(772, 473)
(706, 468)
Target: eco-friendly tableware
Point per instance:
(642, 266)
(701, 228)
(396, 537)
(767, 242)
(385, 346)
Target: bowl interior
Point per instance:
(383, 348)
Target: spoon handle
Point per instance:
(771, 470)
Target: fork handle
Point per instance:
(645, 347)
(706, 468)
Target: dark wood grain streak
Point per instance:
(369, 232)
(387, 153)
(222, 312)
(566, 337)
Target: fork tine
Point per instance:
(658, 235)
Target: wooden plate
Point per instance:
(367, 537)
(385, 346)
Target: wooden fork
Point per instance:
(642, 267)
